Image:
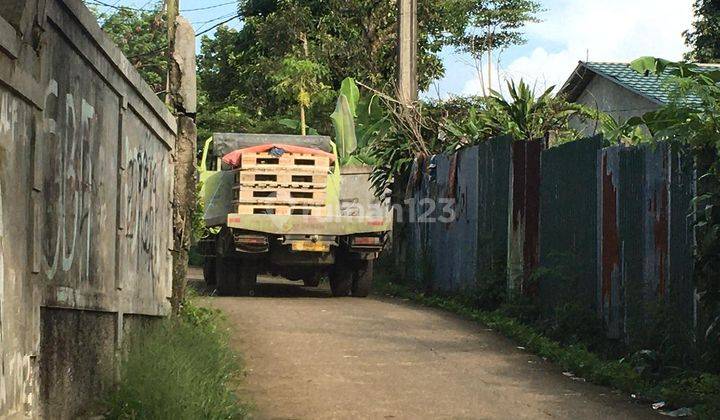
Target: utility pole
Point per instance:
(407, 87)
(181, 96)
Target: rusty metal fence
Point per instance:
(609, 229)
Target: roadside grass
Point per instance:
(178, 368)
(697, 390)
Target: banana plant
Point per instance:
(343, 119)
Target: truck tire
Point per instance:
(341, 278)
(312, 279)
(247, 277)
(236, 277)
(362, 278)
(209, 271)
(226, 270)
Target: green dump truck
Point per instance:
(273, 206)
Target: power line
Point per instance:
(114, 6)
(143, 9)
(164, 48)
(209, 7)
(216, 25)
(203, 22)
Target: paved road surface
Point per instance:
(310, 356)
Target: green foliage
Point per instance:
(142, 37)
(344, 124)
(359, 120)
(347, 131)
(349, 89)
(494, 24)
(238, 67)
(705, 33)
(391, 153)
(523, 116)
(301, 80)
(615, 132)
(471, 129)
(180, 368)
(294, 126)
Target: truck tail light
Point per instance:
(251, 243)
(251, 240)
(365, 241)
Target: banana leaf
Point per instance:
(344, 124)
(352, 93)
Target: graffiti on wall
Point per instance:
(16, 367)
(142, 210)
(8, 122)
(69, 188)
(3, 393)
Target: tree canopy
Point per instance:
(494, 24)
(349, 38)
(704, 38)
(240, 71)
(142, 36)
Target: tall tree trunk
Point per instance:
(302, 120)
(489, 54)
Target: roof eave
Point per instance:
(577, 82)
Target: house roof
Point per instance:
(652, 87)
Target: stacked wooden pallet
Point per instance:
(288, 184)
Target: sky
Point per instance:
(570, 31)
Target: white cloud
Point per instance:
(608, 30)
(475, 86)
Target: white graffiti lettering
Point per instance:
(142, 210)
(73, 184)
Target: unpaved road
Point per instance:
(311, 356)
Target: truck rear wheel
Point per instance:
(226, 270)
(341, 278)
(235, 277)
(312, 279)
(209, 271)
(247, 278)
(362, 278)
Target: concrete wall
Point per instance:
(613, 99)
(85, 206)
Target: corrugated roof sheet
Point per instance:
(653, 87)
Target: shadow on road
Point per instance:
(267, 287)
(282, 288)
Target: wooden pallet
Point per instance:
(281, 210)
(254, 178)
(291, 196)
(293, 161)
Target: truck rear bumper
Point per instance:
(309, 225)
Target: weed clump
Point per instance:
(178, 368)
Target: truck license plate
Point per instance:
(310, 246)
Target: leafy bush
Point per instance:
(523, 117)
(179, 368)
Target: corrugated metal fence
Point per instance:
(609, 228)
